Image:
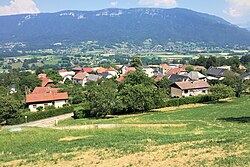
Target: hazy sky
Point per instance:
(235, 11)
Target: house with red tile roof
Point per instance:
(164, 68)
(130, 69)
(101, 70)
(77, 69)
(81, 78)
(189, 88)
(175, 71)
(46, 82)
(88, 70)
(122, 77)
(45, 96)
(42, 76)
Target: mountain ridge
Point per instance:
(113, 25)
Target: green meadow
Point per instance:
(198, 135)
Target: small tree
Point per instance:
(189, 68)
(235, 82)
(9, 108)
(137, 63)
(164, 84)
(140, 98)
(221, 91)
(102, 98)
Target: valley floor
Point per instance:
(191, 135)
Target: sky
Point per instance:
(234, 11)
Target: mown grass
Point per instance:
(224, 127)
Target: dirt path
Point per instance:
(106, 126)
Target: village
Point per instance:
(185, 82)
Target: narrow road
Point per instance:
(47, 121)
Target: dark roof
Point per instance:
(176, 77)
(104, 74)
(190, 85)
(217, 72)
(245, 75)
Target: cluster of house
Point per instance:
(184, 83)
(11, 60)
(45, 95)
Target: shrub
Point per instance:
(39, 109)
(190, 100)
(81, 112)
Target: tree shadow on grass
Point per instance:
(238, 120)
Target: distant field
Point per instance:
(203, 135)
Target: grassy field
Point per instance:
(198, 135)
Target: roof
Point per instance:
(245, 75)
(42, 76)
(217, 72)
(81, 75)
(101, 70)
(199, 68)
(39, 90)
(130, 69)
(44, 97)
(46, 81)
(195, 75)
(191, 85)
(158, 78)
(230, 73)
(122, 77)
(88, 70)
(165, 66)
(77, 69)
(241, 67)
(111, 69)
(176, 77)
(63, 70)
(174, 71)
(104, 74)
(92, 77)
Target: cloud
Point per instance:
(19, 7)
(158, 3)
(238, 8)
(114, 3)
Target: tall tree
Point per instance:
(137, 63)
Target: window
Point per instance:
(185, 91)
(46, 104)
(34, 106)
(204, 91)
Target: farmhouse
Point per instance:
(184, 89)
(80, 78)
(46, 96)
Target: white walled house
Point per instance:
(185, 89)
(43, 97)
(149, 71)
(80, 78)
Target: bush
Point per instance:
(81, 112)
(40, 115)
(39, 109)
(190, 100)
(221, 91)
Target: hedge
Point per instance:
(40, 115)
(190, 100)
